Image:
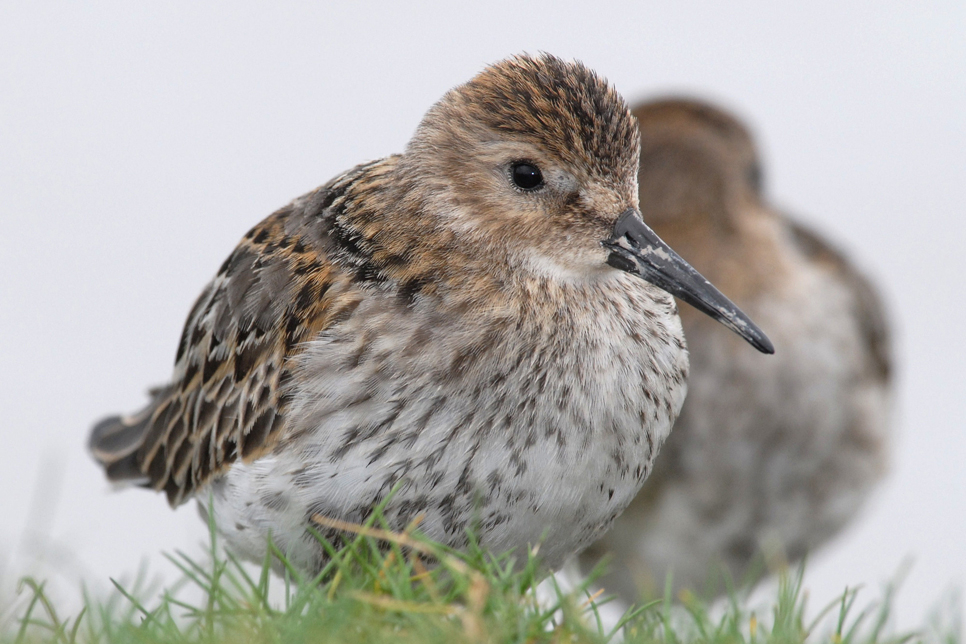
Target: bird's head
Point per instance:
(698, 164)
(538, 157)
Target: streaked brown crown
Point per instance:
(561, 106)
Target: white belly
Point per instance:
(547, 432)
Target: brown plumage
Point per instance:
(466, 320)
(774, 454)
(273, 292)
(228, 399)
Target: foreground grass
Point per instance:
(399, 588)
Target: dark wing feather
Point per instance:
(229, 394)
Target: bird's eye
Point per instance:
(526, 175)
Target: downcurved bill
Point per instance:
(635, 248)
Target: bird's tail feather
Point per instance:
(114, 444)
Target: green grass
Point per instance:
(400, 588)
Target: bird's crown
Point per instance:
(561, 106)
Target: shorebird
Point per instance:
(465, 323)
(768, 457)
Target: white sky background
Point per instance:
(140, 141)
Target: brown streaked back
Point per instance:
(228, 398)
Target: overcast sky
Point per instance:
(139, 141)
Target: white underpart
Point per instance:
(560, 462)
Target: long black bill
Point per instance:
(635, 248)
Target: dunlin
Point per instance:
(768, 456)
(465, 322)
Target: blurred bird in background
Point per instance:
(770, 457)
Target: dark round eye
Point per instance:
(526, 175)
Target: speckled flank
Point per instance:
(422, 320)
(769, 453)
